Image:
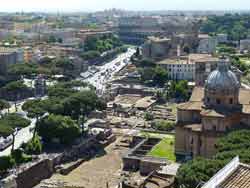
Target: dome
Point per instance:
(222, 80)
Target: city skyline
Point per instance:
(97, 5)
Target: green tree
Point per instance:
(62, 128)
(11, 124)
(35, 109)
(160, 76)
(65, 64)
(23, 69)
(33, 147)
(4, 105)
(6, 162)
(89, 55)
(14, 89)
(199, 170)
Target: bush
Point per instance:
(190, 174)
(6, 162)
(163, 125)
(57, 127)
(33, 147)
(20, 157)
(148, 116)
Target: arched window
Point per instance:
(218, 101)
(231, 101)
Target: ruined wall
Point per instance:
(148, 166)
(32, 176)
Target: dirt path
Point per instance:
(98, 172)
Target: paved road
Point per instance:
(107, 71)
(23, 135)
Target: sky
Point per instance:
(94, 5)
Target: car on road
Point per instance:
(5, 143)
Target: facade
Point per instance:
(207, 44)
(245, 45)
(136, 29)
(178, 69)
(40, 86)
(9, 56)
(156, 48)
(211, 112)
(222, 38)
(185, 67)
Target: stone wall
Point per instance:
(33, 175)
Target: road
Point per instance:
(98, 80)
(108, 70)
(23, 135)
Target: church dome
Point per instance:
(222, 87)
(222, 79)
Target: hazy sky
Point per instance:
(92, 5)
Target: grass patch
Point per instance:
(164, 149)
(154, 135)
(245, 60)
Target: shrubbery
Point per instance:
(33, 147)
(20, 157)
(57, 127)
(148, 116)
(163, 125)
(235, 143)
(6, 162)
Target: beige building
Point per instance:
(192, 67)
(211, 112)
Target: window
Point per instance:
(231, 100)
(208, 99)
(218, 101)
(214, 127)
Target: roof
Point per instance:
(202, 58)
(222, 79)
(240, 178)
(127, 99)
(215, 113)
(191, 105)
(203, 36)
(196, 103)
(172, 61)
(198, 94)
(194, 127)
(246, 108)
(145, 102)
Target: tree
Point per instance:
(35, 109)
(199, 170)
(23, 69)
(33, 147)
(89, 55)
(4, 105)
(178, 90)
(6, 162)
(190, 174)
(65, 64)
(57, 127)
(160, 76)
(81, 103)
(11, 124)
(14, 89)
